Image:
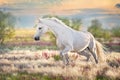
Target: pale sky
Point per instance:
(55, 6)
(28, 10)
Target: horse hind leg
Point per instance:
(93, 52)
(85, 53)
(92, 48)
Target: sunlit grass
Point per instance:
(24, 32)
(28, 34)
(47, 65)
(31, 62)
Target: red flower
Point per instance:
(45, 55)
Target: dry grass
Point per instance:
(24, 32)
(29, 33)
(43, 62)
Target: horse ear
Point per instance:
(39, 20)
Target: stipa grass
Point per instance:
(39, 76)
(27, 76)
(47, 65)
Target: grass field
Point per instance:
(47, 65)
(27, 34)
(24, 59)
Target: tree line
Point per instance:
(7, 27)
(99, 32)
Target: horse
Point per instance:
(68, 39)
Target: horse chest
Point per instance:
(63, 42)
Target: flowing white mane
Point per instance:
(58, 21)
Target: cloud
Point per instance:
(67, 7)
(76, 5)
(33, 7)
(29, 2)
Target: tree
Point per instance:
(97, 30)
(75, 24)
(7, 22)
(106, 35)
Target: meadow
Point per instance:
(47, 65)
(24, 59)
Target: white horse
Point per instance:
(68, 39)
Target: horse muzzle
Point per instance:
(37, 38)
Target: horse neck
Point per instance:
(58, 29)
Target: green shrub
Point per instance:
(56, 57)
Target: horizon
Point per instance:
(28, 11)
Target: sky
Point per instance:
(27, 11)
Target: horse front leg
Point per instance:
(65, 58)
(64, 55)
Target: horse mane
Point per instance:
(58, 21)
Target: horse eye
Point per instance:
(40, 28)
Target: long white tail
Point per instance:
(100, 52)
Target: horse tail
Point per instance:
(100, 52)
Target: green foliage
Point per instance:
(7, 22)
(27, 76)
(46, 78)
(56, 57)
(38, 76)
(116, 31)
(97, 30)
(106, 35)
(76, 23)
(101, 77)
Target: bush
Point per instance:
(57, 57)
(116, 31)
(7, 22)
(97, 30)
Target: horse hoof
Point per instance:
(67, 64)
(73, 64)
(96, 62)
